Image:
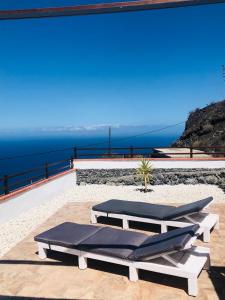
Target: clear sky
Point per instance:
(148, 67)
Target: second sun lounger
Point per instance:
(164, 215)
(170, 253)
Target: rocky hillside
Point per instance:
(205, 126)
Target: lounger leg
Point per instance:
(208, 263)
(217, 226)
(163, 228)
(192, 286)
(42, 252)
(125, 224)
(93, 218)
(82, 262)
(206, 235)
(133, 273)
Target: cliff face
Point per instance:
(205, 127)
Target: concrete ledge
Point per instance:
(154, 159)
(159, 163)
(33, 186)
(43, 193)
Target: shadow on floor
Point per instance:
(217, 276)
(65, 259)
(133, 225)
(60, 259)
(143, 190)
(4, 297)
(152, 277)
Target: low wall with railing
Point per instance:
(13, 182)
(10, 183)
(24, 199)
(149, 152)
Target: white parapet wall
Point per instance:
(157, 164)
(36, 196)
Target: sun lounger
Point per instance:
(164, 215)
(169, 253)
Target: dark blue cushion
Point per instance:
(149, 210)
(174, 240)
(134, 208)
(189, 208)
(67, 234)
(113, 242)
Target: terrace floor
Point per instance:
(24, 276)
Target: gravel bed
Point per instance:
(159, 194)
(18, 228)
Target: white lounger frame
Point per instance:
(208, 221)
(187, 263)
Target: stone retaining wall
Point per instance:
(160, 176)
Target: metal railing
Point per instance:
(148, 152)
(13, 182)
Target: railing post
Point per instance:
(46, 170)
(75, 152)
(131, 151)
(6, 184)
(150, 153)
(191, 152)
(71, 163)
(109, 152)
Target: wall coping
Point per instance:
(154, 159)
(34, 185)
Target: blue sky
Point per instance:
(142, 68)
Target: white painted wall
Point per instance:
(118, 164)
(48, 191)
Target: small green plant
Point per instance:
(145, 172)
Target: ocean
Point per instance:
(13, 147)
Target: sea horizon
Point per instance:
(11, 147)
